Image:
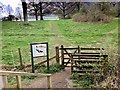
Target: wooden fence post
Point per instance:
(62, 55)
(105, 68)
(57, 55)
(20, 57)
(18, 79)
(5, 81)
(79, 52)
(71, 57)
(49, 82)
(78, 49)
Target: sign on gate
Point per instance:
(39, 50)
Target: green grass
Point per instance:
(82, 81)
(15, 35)
(86, 33)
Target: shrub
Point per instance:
(99, 17)
(79, 18)
(92, 18)
(75, 75)
(9, 18)
(82, 81)
(52, 69)
(94, 13)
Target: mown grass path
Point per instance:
(57, 39)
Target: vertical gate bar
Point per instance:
(57, 55)
(48, 66)
(105, 68)
(78, 49)
(71, 57)
(62, 56)
(79, 52)
(18, 79)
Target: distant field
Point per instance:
(56, 33)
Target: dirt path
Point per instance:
(58, 80)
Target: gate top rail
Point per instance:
(67, 48)
(94, 55)
(92, 48)
(22, 73)
(81, 48)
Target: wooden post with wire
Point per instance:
(20, 57)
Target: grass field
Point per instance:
(56, 33)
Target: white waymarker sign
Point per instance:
(39, 50)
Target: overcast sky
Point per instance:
(14, 3)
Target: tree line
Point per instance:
(43, 8)
(64, 9)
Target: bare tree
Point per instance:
(41, 11)
(34, 7)
(66, 7)
(1, 8)
(18, 13)
(42, 7)
(9, 10)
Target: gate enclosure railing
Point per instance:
(18, 75)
